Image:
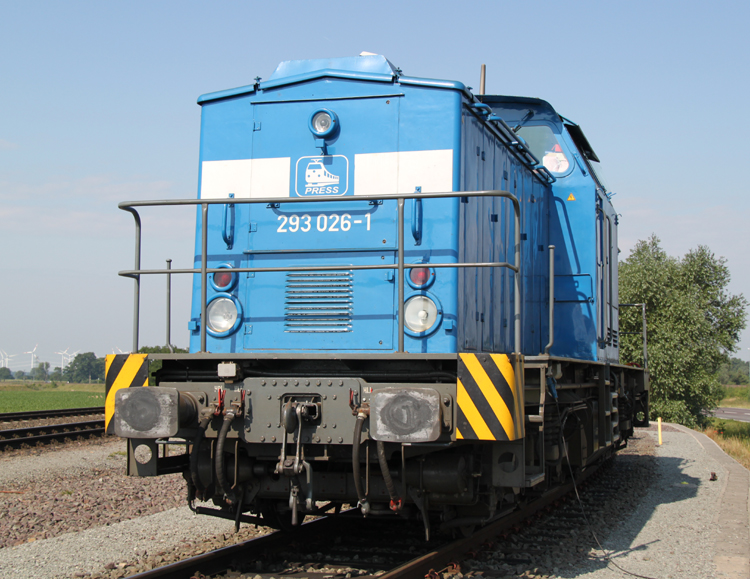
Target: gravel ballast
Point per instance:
(76, 514)
(72, 512)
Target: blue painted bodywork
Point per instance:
(382, 112)
(586, 320)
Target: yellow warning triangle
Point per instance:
(571, 198)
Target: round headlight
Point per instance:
(222, 315)
(323, 123)
(421, 313)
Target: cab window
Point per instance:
(546, 147)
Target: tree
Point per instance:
(56, 375)
(19, 375)
(693, 323)
(734, 372)
(155, 366)
(5, 374)
(41, 372)
(85, 368)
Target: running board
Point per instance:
(533, 479)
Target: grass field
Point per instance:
(26, 396)
(736, 397)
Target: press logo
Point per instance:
(322, 176)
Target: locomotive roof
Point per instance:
(375, 68)
(517, 109)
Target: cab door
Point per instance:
(607, 280)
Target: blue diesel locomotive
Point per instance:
(404, 298)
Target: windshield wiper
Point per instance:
(524, 120)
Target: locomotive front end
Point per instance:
(369, 320)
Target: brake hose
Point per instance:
(363, 503)
(395, 500)
(221, 478)
(199, 489)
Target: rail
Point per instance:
(204, 270)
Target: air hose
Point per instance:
(221, 478)
(395, 500)
(363, 503)
(205, 420)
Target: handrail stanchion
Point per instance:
(645, 339)
(169, 307)
(517, 263)
(551, 299)
(401, 306)
(136, 276)
(204, 275)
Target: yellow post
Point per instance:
(659, 422)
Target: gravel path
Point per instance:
(672, 533)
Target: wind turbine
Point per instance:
(33, 354)
(72, 356)
(62, 357)
(6, 362)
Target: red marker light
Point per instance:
(222, 279)
(419, 275)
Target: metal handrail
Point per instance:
(551, 311)
(642, 332)
(204, 270)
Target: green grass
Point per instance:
(733, 437)
(736, 397)
(26, 396)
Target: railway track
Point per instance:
(341, 544)
(46, 433)
(33, 435)
(41, 414)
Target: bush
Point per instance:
(693, 323)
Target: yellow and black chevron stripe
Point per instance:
(122, 371)
(490, 405)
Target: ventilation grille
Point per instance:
(319, 302)
(613, 337)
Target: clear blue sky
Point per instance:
(97, 105)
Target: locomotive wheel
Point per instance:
(279, 520)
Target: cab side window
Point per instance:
(545, 147)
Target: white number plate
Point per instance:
(322, 222)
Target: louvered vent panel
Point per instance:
(318, 302)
